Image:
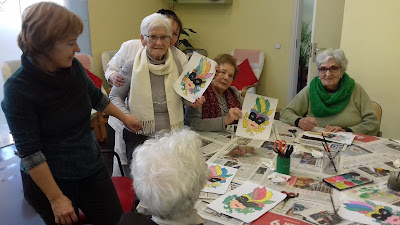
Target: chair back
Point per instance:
(86, 61)
(106, 57)
(255, 57)
(9, 67)
(378, 110)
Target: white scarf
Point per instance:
(140, 97)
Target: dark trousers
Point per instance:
(132, 140)
(95, 196)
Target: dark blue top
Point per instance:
(49, 117)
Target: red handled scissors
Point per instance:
(289, 195)
(281, 146)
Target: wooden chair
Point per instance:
(378, 110)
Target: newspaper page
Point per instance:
(286, 133)
(209, 214)
(373, 166)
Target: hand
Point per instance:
(132, 123)
(307, 123)
(233, 114)
(199, 102)
(63, 210)
(116, 79)
(334, 129)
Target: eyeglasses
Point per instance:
(154, 38)
(333, 69)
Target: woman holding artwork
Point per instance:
(128, 50)
(47, 104)
(148, 88)
(223, 103)
(333, 100)
(168, 175)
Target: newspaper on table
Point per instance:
(374, 192)
(373, 166)
(285, 132)
(250, 161)
(220, 138)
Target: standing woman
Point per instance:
(47, 103)
(128, 50)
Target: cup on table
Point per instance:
(283, 165)
(327, 164)
(394, 181)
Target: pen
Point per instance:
(333, 205)
(329, 153)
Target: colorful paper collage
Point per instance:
(368, 212)
(195, 78)
(220, 178)
(247, 202)
(258, 115)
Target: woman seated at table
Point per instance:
(148, 87)
(223, 103)
(332, 100)
(168, 173)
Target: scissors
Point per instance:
(281, 146)
(289, 195)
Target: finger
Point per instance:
(57, 220)
(74, 217)
(68, 220)
(62, 220)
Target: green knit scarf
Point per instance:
(323, 103)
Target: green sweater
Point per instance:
(359, 114)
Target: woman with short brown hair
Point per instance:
(47, 104)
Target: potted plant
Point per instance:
(305, 51)
(183, 40)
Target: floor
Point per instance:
(14, 210)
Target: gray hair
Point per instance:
(329, 54)
(155, 20)
(168, 173)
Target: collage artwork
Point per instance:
(247, 202)
(369, 212)
(258, 116)
(220, 178)
(196, 77)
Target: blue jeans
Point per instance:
(94, 195)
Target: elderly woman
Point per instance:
(332, 100)
(47, 104)
(148, 87)
(128, 51)
(223, 103)
(168, 174)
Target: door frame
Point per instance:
(295, 49)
